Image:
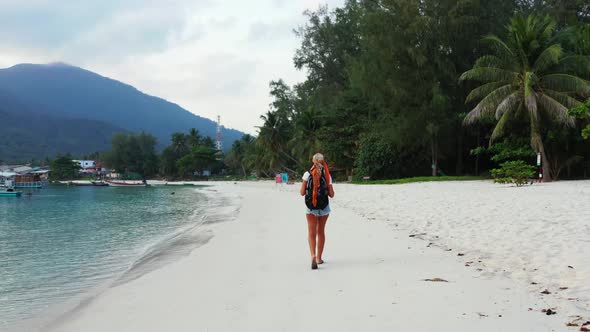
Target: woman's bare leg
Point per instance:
(321, 237)
(312, 232)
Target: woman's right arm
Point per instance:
(302, 190)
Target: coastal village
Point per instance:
(29, 176)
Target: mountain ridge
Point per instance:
(69, 92)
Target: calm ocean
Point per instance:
(61, 242)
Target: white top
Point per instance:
(306, 176)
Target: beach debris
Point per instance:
(429, 244)
(572, 324)
(587, 323)
(562, 288)
(468, 263)
(546, 291)
(436, 280)
(482, 314)
(419, 234)
(585, 329)
(460, 254)
(571, 267)
(533, 283)
(549, 312)
(499, 315)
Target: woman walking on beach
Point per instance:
(316, 187)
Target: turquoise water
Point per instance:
(59, 242)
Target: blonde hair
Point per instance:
(317, 157)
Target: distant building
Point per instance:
(90, 167)
(86, 164)
(24, 176)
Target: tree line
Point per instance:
(135, 155)
(399, 88)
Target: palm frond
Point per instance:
(549, 57)
(509, 103)
(489, 74)
(491, 61)
(488, 105)
(548, 25)
(575, 64)
(566, 82)
(484, 90)
(499, 129)
(562, 98)
(500, 48)
(555, 109)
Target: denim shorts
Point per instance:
(317, 212)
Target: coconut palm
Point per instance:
(306, 140)
(194, 138)
(528, 74)
(273, 139)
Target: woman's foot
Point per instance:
(314, 264)
(320, 261)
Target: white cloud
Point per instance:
(211, 57)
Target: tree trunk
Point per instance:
(477, 155)
(243, 169)
(459, 166)
(545, 164)
(434, 156)
(537, 145)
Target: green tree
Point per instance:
(241, 158)
(528, 75)
(63, 168)
(134, 153)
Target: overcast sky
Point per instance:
(211, 57)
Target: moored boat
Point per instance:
(99, 184)
(125, 184)
(9, 193)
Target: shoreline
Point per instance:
(160, 252)
(257, 268)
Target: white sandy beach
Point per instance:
(254, 273)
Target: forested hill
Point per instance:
(68, 92)
(26, 135)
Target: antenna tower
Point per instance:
(218, 139)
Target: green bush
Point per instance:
(517, 172)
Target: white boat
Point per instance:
(125, 184)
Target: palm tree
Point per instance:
(528, 74)
(272, 138)
(306, 140)
(179, 145)
(194, 138)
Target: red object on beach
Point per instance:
(278, 178)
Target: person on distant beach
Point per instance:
(317, 187)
